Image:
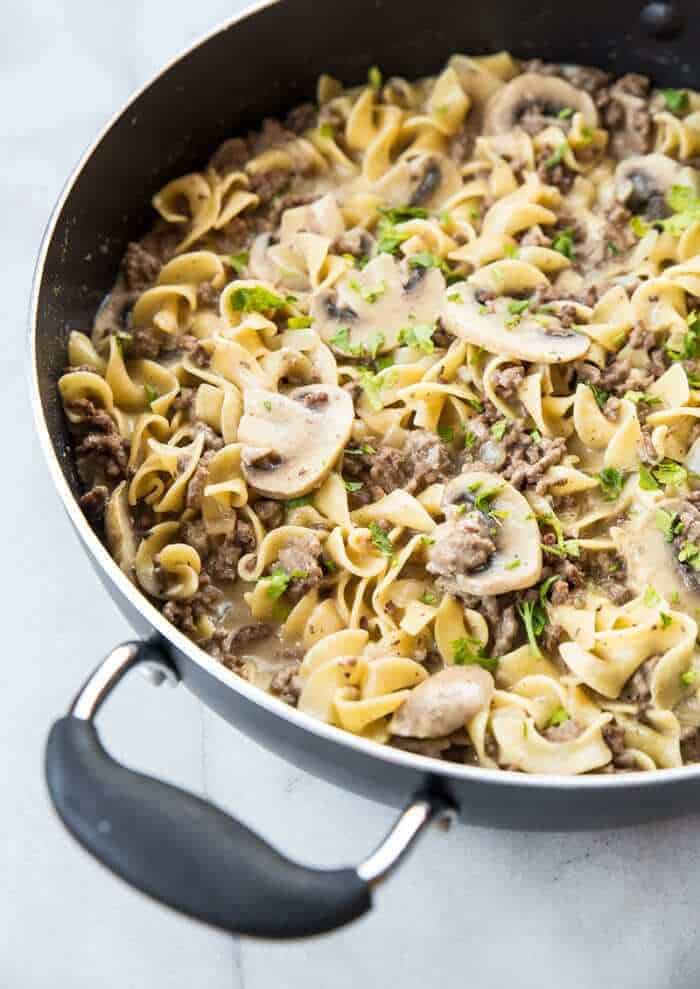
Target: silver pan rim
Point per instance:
(327, 733)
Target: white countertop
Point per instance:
(476, 908)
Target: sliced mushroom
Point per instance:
(539, 338)
(515, 562)
(547, 95)
(642, 181)
(119, 531)
(292, 441)
(366, 310)
(443, 703)
(426, 179)
(652, 561)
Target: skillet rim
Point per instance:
(272, 705)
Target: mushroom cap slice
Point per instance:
(425, 179)
(291, 442)
(642, 181)
(375, 304)
(541, 340)
(651, 561)
(517, 561)
(548, 93)
(443, 703)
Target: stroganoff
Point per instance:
(396, 413)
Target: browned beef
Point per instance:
(207, 295)
(300, 558)
(270, 513)
(285, 683)
(198, 482)
(226, 553)
(627, 115)
(461, 546)
(302, 118)
(231, 156)
(187, 613)
(140, 268)
(94, 501)
(102, 454)
(506, 381)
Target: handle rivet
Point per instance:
(661, 20)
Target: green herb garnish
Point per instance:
(468, 651)
(419, 336)
(255, 299)
(611, 483)
(239, 261)
(299, 322)
(380, 540)
(151, 393)
(534, 618)
(564, 243)
(676, 100)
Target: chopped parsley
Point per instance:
(268, 405)
(600, 395)
(689, 346)
(371, 347)
(651, 598)
(690, 554)
(279, 580)
(369, 294)
(483, 500)
(399, 214)
(372, 386)
(518, 306)
(470, 440)
(563, 547)
(151, 393)
(359, 450)
(374, 78)
(686, 210)
(514, 564)
(299, 502)
(666, 620)
(424, 259)
(499, 428)
(326, 130)
(534, 618)
(427, 597)
(446, 433)
(566, 112)
(558, 717)
(641, 398)
(676, 100)
(556, 156)
(419, 336)
(688, 678)
(455, 297)
(668, 523)
(352, 486)
(668, 472)
(239, 261)
(468, 651)
(255, 299)
(611, 483)
(299, 322)
(380, 540)
(564, 243)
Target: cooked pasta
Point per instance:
(396, 413)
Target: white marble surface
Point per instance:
(474, 907)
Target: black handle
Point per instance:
(187, 853)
